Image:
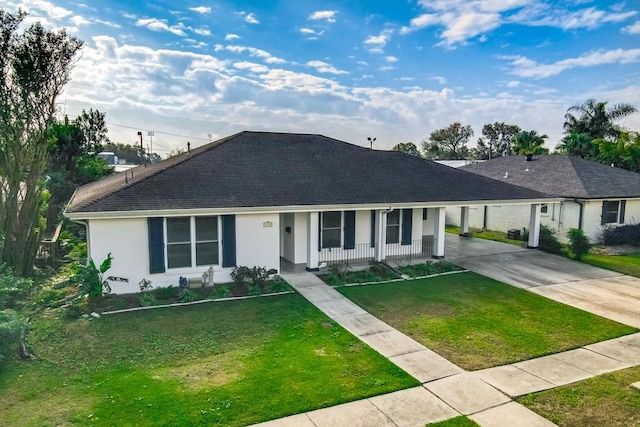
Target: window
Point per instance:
(192, 238)
(544, 208)
(331, 229)
(424, 214)
(393, 226)
(178, 242)
(613, 212)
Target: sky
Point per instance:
(199, 70)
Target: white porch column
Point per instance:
(313, 235)
(534, 227)
(381, 236)
(438, 233)
(464, 221)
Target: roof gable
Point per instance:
(266, 169)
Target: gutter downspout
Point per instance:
(484, 217)
(580, 220)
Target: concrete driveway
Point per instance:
(602, 292)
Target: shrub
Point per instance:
(622, 235)
(169, 292)
(188, 296)
(145, 286)
(548, 241)
(250, 277)
(220, 292)
(90, 278)
(50, 296)
(13, 290)
(580, 244)
(147, 300)
(12, 326)
(77, 308)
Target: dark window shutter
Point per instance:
(228, 240)
(349, 229)
(623, 205)
(156, 245)
(603, 220)
(407, 226)
(424, 214)
(319, 231)
(373, 229)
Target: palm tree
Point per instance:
(529, 142)
(595, 119)
(579, 144)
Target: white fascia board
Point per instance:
(292, 209)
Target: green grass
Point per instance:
(231, 363)
(477, 322)
(626, 264)
(461, 421)
(605, 400)
(497, 236)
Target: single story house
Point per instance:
(276, 199)
(592, 195)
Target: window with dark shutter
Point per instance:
(349, 229)
(156, 245)
(228, 240)
(407, 225)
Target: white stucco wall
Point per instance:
(257, 240)
(127, 240)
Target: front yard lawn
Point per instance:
(605, 400)
(226, 363)
(477, 322)
(625, 264)
(498, 236)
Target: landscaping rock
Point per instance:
(636, 386)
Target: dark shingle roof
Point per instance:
(264, 169)
(564, 176)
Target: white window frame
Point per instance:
(322, 228)
(544, 209)
(192, 241)
(619, 203)
(386, 231)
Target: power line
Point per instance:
(160, 132)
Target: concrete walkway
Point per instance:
(447, 390)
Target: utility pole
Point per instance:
(150, 133)
(141, 148)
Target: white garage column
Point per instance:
(313, 236)
(438, 233)
(464, 221)
(534, 227)
(380, 236)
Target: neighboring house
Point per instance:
(458, 163)
(593, 195)
(272, 200)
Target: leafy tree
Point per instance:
(579, 243)
(176, 152)
(496, 140)
(624, 153)
(408, 148)
(595, 119)
(34, 68)
(529, 142)
(72, 158)
(448, 143)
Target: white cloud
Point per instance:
(386, 68)
(323, 67)
(327, 15)
(525, 67)
(513, 83)
(251, 19)
(202, 31)
(441, 80)
(251, 66)
(377, 43)
(307, 31)
(390, 58)
(463, 20)
(201, 9)
(155, 24)
(633, 28)
(259, 53)
(231, 36)
(585, 18)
